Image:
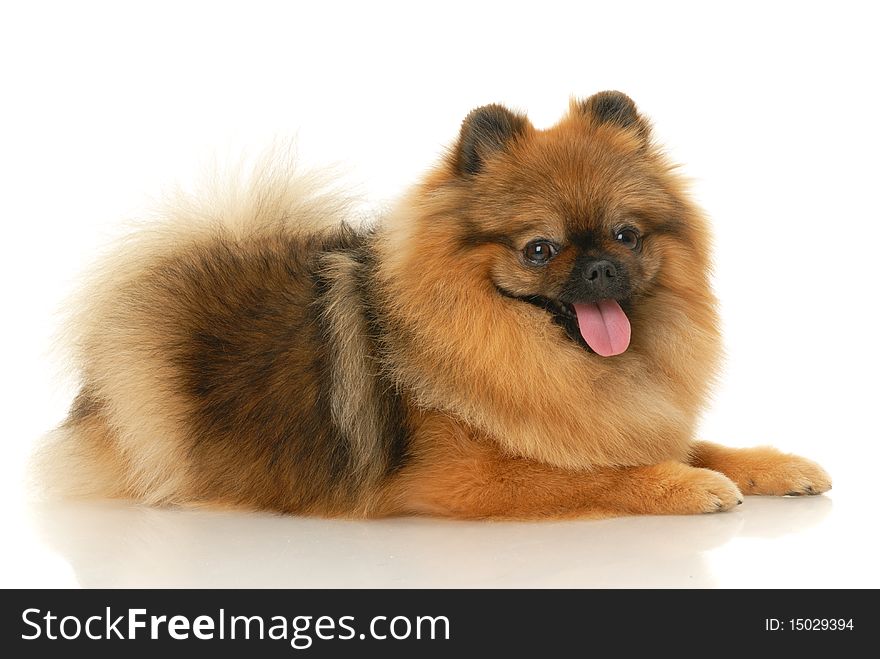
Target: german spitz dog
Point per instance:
(529, 333)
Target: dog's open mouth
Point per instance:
(601, 327)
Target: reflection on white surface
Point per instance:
(113, 544)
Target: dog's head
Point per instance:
(579, 220)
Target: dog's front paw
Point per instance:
(706, 492)
(687, 491)
(763, 470)
(780, 474)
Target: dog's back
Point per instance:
(225, 356)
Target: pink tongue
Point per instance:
(604, 327)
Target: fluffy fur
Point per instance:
(255, 349)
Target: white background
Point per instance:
(771, 107)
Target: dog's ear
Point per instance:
(615, 108)
(485, 132)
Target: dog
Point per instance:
(529, 333)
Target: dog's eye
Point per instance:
(628, 238)
(539, 252)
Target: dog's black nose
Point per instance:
(600, 273)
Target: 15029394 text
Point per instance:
(808, 624)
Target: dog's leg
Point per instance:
(454, 474)
(762, 470)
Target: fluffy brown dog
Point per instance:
(530, 333)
